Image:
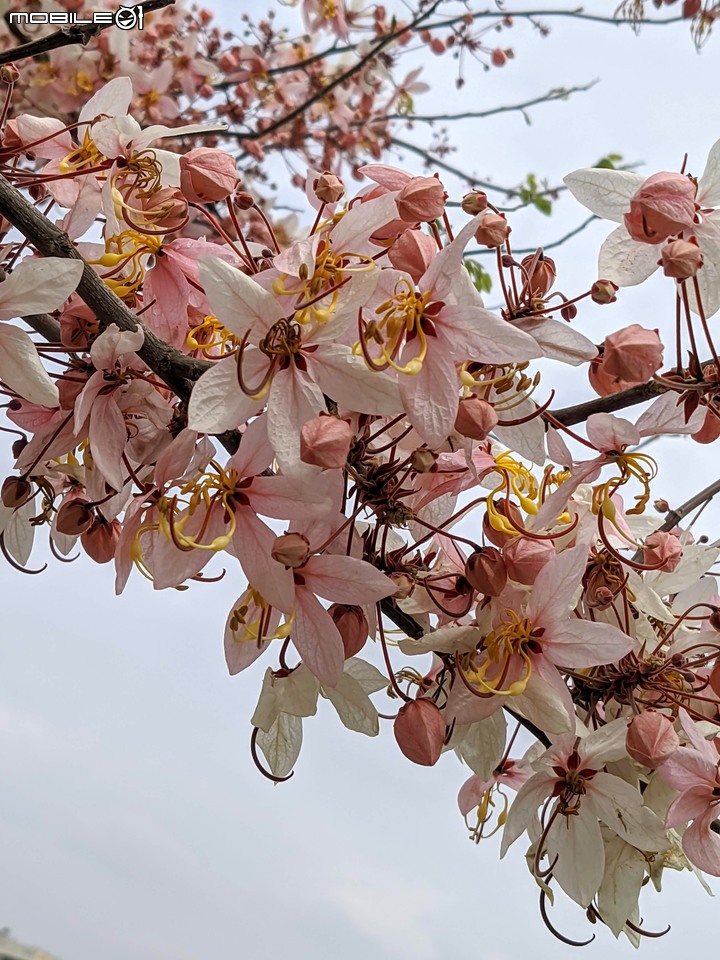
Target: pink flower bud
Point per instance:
(74, 517)
(325, 442)
(207, 175)
(498, 57)
(421, 199)
(603, 291)
(100, 540)
(352, 626)
(474, 202)
(603, 384)
(691, 8)
(661, 505)
(167, 207)
(633, 353)
(662, 550)
(680, 259)
(420, 731)
(413, 252)
(328, 188)
(290, 549)
(475, 418)
(493, 230)
(543, 274)
(651, 739)
(242, 200)
(15, 492)
(524, 559)
(485, 571)
(663, 206)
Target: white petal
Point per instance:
(580, 865)
(36, 286)
(238, 302)
(483, 744)
(217, 403)
(353, 706)
(626, 262)
(559, 341)
(281, 744)
(112, 100)
(21, 369)
(708, 276)
(606, 193)
(709, 185)
(620, 888)
(351, 384)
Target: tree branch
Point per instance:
(67, 36)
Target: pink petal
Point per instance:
(317, 639)
(346, 580)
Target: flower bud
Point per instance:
(603, 291)
(661, 505)
(325, 442)
(498, 57)
(651, 738)
(100, 540)
(421, 200)
(420, 731)
(663, 206)
(543, 273)
(493, 230)
(524, 559)
(74, 517)
(680, 259)
(352, 626)
(474, 202)
(9, 73)
(242, 200)
(167, 207)
(290, 549)
(475, 418)
(412, 252)
(662, 550)
(512, 514)
(633, 353)
(328, 188)
(486, 572)
(207, 175)
(15, 492)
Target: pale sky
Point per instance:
(133, 825)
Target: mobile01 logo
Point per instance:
(125, 18)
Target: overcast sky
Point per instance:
(133, 825)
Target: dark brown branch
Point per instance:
(576, 14)
(47, 326)
(174, 368)
(67, 36)
(616, 401)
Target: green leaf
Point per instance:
(543, 205)
(482, 281)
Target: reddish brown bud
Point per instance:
(15, 492)
(493, 230)
(510, 511)
(603, 291)
(9, 73)
(498, 57)
(651, 739)
(242, 200)
(662, 550)
(352, 626)
(475, 418)
(100, 540)
(543, 274)
(420, 731)
(290, 549)
(74, 517)
(328, 188)
(474, 202)
(485, 570)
